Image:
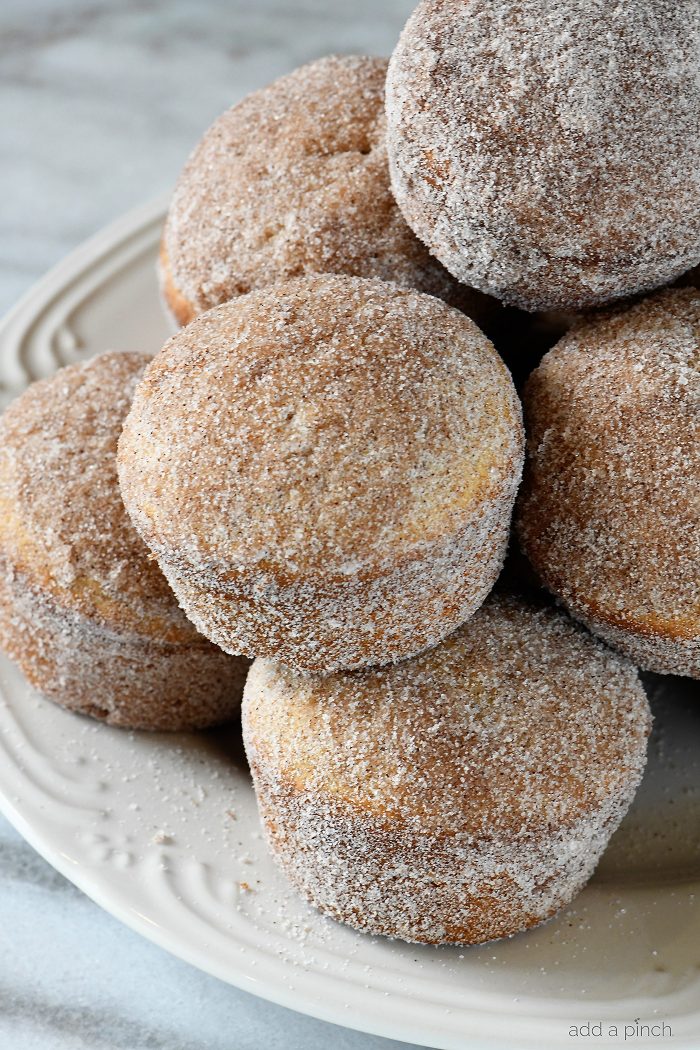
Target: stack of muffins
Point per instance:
(318, 472)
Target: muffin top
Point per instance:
(519, 723)
(610, 507)
(63, 526)
(324, 425)
(295, 180)
(549, 153)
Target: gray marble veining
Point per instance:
(101, 101)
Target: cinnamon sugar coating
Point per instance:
(460, 796)
(326, 470)
(291, 181)
(610, 508)
(549, 153)
(84, 610)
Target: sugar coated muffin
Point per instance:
(84, 610)
(325, 471)
(457, 797)
(549, 153)
(610, 508)
(295, 180)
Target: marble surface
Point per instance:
(103, 99)
(101, 102)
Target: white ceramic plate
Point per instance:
(163, 832)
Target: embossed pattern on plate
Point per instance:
(163, 832)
